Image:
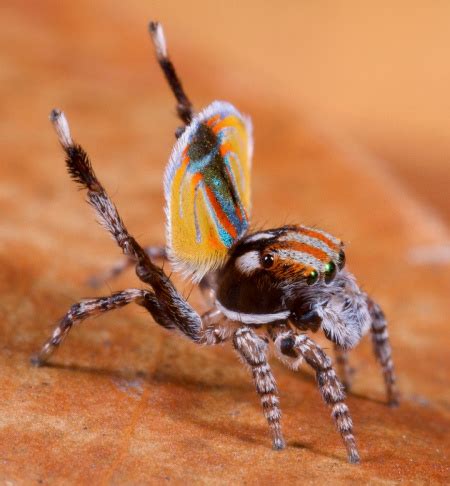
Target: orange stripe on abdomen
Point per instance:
(221, 216)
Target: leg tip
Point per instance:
(278, 444)
(347, 386)
(54, 114)
(37, 361)
(353, 458)
(393, 403)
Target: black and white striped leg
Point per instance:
(344, 370)
(89, 308)
(253, 350)
(383, 352)
(154, 252)
(331, 389)
(171, 309)
(212, 332)
(184, 105)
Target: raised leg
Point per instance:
(89, 308)
(295, 346)
(171, 311)
(383, 351)
(343, 366)
(154, 252)
(253, 350)
(184, 106)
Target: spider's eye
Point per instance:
(330, 272)
(267, 260)
(312, 277)
(341, 262)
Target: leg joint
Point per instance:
(287, 345)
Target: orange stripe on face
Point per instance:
(281, 271)
(302, 247)
(318, 236)
(221, 216)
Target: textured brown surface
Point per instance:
(124, 401)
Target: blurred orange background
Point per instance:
(350, 104)
(376, 72)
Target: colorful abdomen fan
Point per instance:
(207, 189)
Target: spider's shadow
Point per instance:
(246, 434)
(190, 383)
(308, 377)
(157, 377)
(251, 434)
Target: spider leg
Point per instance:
(214, 331)
(253, 350)
(90, 308)
(184, 105)
(96, 281)
(297, 346)
(171, 310)
(383, 351)
(345, 371)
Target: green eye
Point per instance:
(330, 272)
(312, 278)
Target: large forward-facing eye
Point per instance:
(330, 271)
(312, 277)
(267, 260)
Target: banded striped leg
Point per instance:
(184, 105)
(212, 331)
(89, 308)
(331, 389)
(342, 364)
(383, 352)
(170, 310)
(253, 350)
(154, 252)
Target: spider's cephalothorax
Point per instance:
(300, 272)
(271, 285)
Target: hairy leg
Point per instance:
(184, 105)
(171, 309)
(154, 252)
(89, 308)
(253, 350)
(383, 351)
(297, 346)
(343, 366)
(215, 328)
